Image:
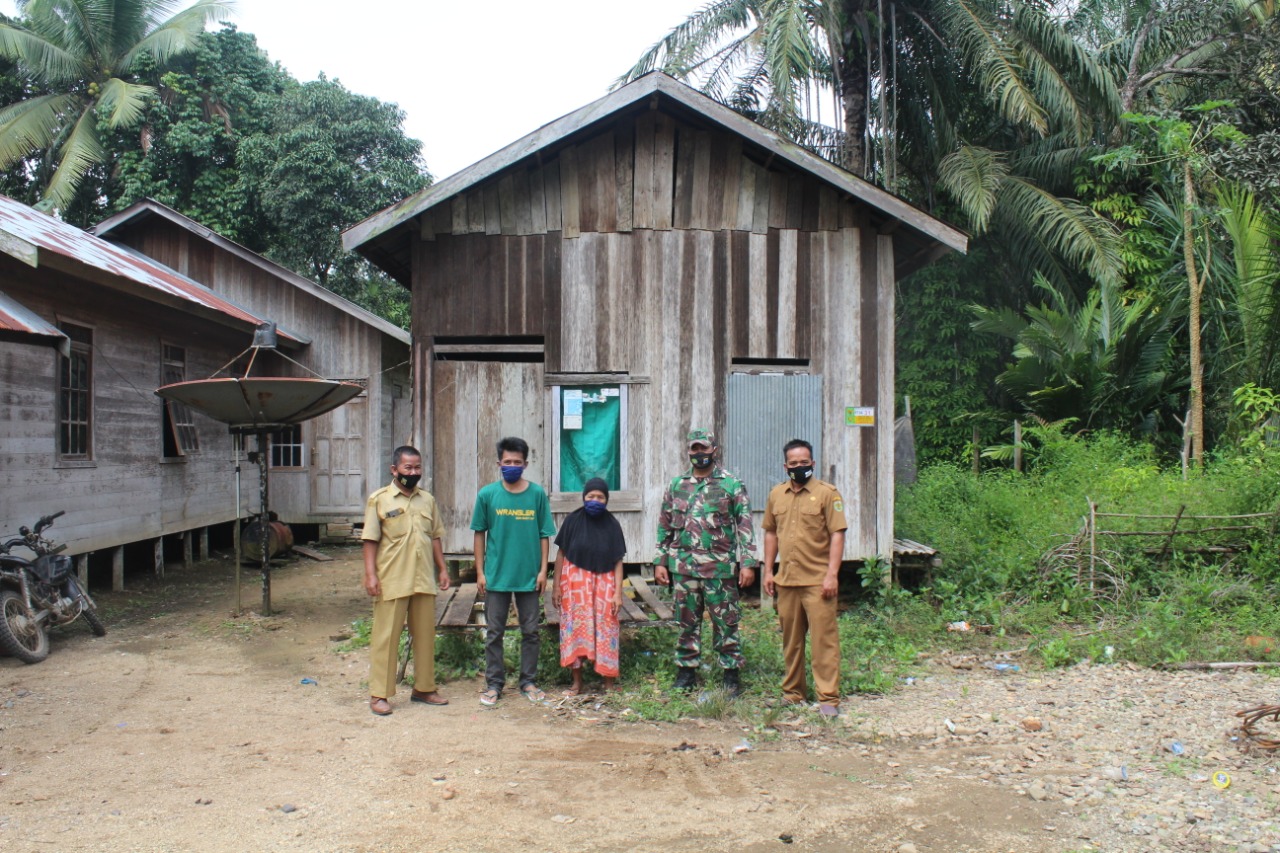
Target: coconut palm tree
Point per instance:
(84, 60)
(990, 101)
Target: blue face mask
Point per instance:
(512, 473)
(594, 507)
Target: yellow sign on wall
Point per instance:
(860, 416)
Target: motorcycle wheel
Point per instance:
(95, 624)
(20, 637)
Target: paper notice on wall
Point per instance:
(610, 392)
(572, 416)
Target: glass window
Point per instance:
(287, 448)
(589, 435)
(178, 427)
(75, 400)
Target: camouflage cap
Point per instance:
(702, 436)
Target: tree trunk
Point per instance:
(1195, 288)
(855, 84)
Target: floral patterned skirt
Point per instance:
(588, 625)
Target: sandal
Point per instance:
(532, 693)
(489, 698)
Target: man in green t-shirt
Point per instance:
(512, 523)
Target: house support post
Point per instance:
(117, 569)
(82, 570)
(159, 556)
(188, 559)
(203, 553)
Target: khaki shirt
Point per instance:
(804, 522)
(403, 526)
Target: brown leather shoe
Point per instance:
(432, 698)
(381, 707)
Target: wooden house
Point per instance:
(89, 329)
(647, 264)
(321, 470)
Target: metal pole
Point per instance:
(236, 440)
(264, 520)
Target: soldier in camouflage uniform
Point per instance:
(704, 538)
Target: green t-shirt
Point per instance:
(513, 524)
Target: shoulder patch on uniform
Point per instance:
(837, 505)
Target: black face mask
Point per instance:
(800, 474)
(700, 460)
(409, 481)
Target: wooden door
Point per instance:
(475, 404)
(338, 476)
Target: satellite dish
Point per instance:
(261, 403)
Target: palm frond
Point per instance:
(178, 34)
(973, 177)
(77, 155)
(32, 125)
(1067, 227)
(123, 103)
(996, 63)
(705, 28)
(38, 56)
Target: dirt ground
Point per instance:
(188, 728)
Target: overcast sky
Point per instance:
(471, 78)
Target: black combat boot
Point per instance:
(731, 684)
(686, 679)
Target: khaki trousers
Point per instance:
(802, 609)
(384, 643)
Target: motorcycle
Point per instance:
(37, 594)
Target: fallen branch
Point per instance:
(1243, 664)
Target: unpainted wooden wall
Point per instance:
(666, 252)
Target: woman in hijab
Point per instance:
(587, 587)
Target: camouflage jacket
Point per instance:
(704, 527)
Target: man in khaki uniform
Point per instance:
(402, 531)
(804, 525)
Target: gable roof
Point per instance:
(381, 237)
(40, 240)
(147, 208)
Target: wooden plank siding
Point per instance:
(125, 493)
(343, 347)
(663, 250)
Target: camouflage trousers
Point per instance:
(719, 597)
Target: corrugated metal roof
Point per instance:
(150, 207)
(31, 237)
(16, 317)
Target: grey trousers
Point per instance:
(496, 607)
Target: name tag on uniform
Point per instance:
(393, 513)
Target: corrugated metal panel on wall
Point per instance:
(765, 411)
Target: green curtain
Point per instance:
(594, 450)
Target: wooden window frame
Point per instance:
(284, 449)
(178, 428)
(622, 499)
(79, 451)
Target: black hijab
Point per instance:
(592, 542)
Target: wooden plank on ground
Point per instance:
(630, 612)
(459, 613)
(442, 602)
(661, 608)
(312, 553)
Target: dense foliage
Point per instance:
(1006, 541)
(229, 138)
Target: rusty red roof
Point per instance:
(38, 239)
(16, 317)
